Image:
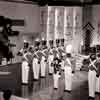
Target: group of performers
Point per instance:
(58, 59)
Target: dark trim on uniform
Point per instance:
(24, 83)
(98, 93)
(55, 88)
(67, 91)
(18, 22)
(35, 79)
(42, 77)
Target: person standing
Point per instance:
(43, 64)
(7, 94)
(68, 69)
(92, 76)
(36, 60)
(25, 69)
(61, 55)
(98, 74)
(25, 63)
(50, 61)
(24, 49)
(36, 65)
(56, 75)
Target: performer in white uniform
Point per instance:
(98, 74)
(50, 60)
(56, 75)
(68, 70)
(36, 66)
(43, 62)
(24, 49)
(92, 76)
(62, 56)
(25, 62)
(25, 69)
(43, 66)
(36, 62)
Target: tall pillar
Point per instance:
(68, 25)
(59, 22)
(43, 21)
(50, 23)
(77, 29)
(55, 26)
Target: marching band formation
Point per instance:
(59, 60)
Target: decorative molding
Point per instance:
(88, 26)
(16, 1)
(17, 22)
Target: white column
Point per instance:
(77, 29)
(55, 26)
(65, 24)
(68, 25)
(59, 22)
(50, 23)
(43, 21)
(48, 9)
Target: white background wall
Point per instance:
(96, 21)
(28, 12)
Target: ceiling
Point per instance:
(66, 2)
(60, 2)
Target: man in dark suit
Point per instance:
(7, 94)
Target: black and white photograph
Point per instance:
(49, 49)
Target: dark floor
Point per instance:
(43, 89)
(79, 91)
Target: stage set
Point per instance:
(28, 28)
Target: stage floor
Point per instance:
(43, 89)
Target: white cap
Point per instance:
(81, 43)
(25, 41)
(43, 38)
(69, 48)
(37, 39)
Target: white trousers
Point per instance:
(50, 59)
(43, 68)
(36, 68)
(51, 69)
(92, 83)
(98, 84)
(62, 65)
(68, 78)
(56, 79)
(25, 72)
